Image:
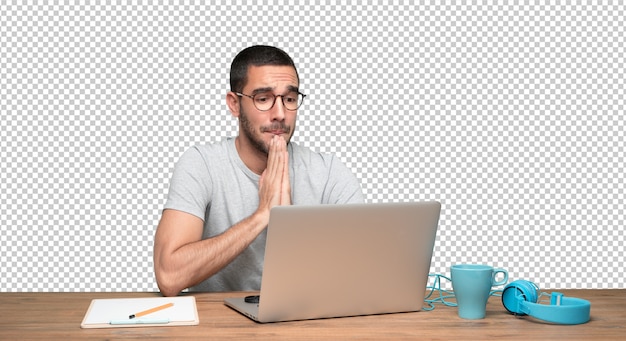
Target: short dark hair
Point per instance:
(257, 55)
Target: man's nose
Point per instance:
(278, 111)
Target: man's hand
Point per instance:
(285, 196)
(274, 185)
(182, 258)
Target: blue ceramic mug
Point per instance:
(472, 284)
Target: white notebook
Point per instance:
(116, 312)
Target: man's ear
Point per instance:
(232, 100)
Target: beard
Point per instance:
(255, 136)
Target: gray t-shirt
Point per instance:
(212, 183)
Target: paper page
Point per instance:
(103, 311)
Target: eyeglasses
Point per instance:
(265, 101)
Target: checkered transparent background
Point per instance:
(511, 115)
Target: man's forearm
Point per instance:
(194, 262)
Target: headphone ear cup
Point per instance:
(517, 292)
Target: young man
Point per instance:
(211, 236)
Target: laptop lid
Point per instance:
(344, 260)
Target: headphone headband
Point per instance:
(520, 297)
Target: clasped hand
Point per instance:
(274, 185)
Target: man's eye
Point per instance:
(262, 98)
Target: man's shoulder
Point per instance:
(216, 146)
(214, 149)
(308, 156)
(203, 155)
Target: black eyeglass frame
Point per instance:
(282, 98)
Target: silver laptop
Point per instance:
(344, 260)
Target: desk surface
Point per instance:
(58, 316)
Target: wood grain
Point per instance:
(56, 316)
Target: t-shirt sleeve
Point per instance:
(190, 185)
(343, 187)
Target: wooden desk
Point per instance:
(57, 316)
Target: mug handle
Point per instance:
(503, 280)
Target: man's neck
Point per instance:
(252, 158)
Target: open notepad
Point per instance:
(111, 313)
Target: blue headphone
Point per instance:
(520, 298)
